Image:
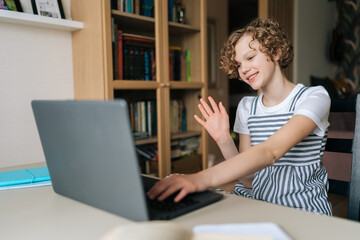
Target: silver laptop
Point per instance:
(91, 157)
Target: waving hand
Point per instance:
(216, 119)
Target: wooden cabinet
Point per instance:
(93, 66)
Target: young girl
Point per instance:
(282, 131)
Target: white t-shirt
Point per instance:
(314, 103)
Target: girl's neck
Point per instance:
(277, 90)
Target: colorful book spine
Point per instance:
(170, 10)
(120, 54)
(138, 65)
(129, 6)
(143, 118)
(175, 63)
(147, 64)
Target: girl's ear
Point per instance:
(278, 55)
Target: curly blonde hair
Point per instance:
(271, 37)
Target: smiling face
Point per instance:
(254, 67)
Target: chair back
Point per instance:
(352, 188)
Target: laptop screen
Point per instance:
(90, 154)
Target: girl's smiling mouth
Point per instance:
(252, 77)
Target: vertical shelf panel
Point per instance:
(89, 58)
(163, 95)
(204, 74)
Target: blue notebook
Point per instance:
(25, 177)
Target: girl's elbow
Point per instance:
(272, 157)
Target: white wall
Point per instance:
(35, 63)
(313, 23)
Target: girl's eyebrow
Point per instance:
(249, 52)
(245, 56)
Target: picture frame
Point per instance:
(48, 8)
(11, 5)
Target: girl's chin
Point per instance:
(255, 86)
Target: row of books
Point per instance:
(143, 118)
(180, 148)
(177, 11)
(176, 8)
(134, 58)
(184, 147)
(148, 157)
(177, 116)
(140, 7)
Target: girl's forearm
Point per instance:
(229, 150)
(227, 147)
(239, 166)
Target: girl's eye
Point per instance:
(251, 57)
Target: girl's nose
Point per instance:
(244, 69)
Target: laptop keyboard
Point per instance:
(168, 209)
(168, 205)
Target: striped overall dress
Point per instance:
(298, 179)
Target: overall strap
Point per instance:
(254, 106)
(296, 98)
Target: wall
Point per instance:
(36, 63)
(313, 23)
(218, 13)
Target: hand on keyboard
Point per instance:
(184, 184)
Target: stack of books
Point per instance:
(140, 7)
(24, 178)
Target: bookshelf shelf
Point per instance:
(185, 134)
(174, 136)
(133, 16)
(146, 141)
(39, 21)
(134, 21)
(186, 85)
(132, 84)
(179, 28)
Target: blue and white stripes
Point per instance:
(298, 179)
(304, 153)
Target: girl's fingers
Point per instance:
(156, 190)
(213, 105)
(206, 107)
(202, 110)
(181, 195)
(168, 192)
(222, 108)
(199, 120)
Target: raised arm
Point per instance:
(248, 162)
(216, 124)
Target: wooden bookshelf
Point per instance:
(93, 66)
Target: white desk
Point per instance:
(39, 213)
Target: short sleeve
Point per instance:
(315, 104)
(242, 115)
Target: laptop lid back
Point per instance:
(90, 154)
